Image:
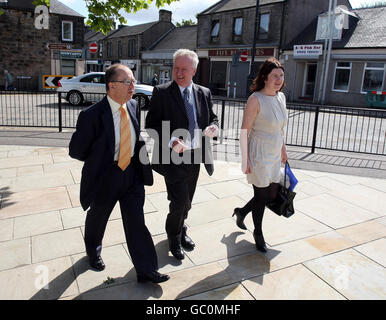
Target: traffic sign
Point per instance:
(93, 47)
(51, 81)
(244, 55)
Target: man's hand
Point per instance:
(179, 146)
(211, 131)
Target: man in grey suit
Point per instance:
(181, 121)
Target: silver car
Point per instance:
(90, 87)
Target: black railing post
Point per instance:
(222, 121)
(60, 111)
(315, 129)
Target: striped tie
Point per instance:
(190, 113)
(125, 144)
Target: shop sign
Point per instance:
(71, 54)
(308, 50)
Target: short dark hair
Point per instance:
(265, 69)
(111, 72)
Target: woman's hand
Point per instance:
(284, 156)
(246, 167)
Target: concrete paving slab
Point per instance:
(364, 232)
(294, 283)
(32, 225)
(231, 292)
(26, 161)
(15, 253)
(73, 192)
(227, 189)
(118, 267)
(33, 170)
(57, 244)
(351, 274)
(6, 229)
(219, 240)
(29, 282)
(8, 173)
(35, 201)
(375, 250)
(155, 222)
(73, 217)
(333, 212)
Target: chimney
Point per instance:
(165, 15)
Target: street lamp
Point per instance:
(251, 74)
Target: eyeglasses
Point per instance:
(126, 82)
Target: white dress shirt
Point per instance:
(115, 106)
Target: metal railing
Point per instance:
(338, 128)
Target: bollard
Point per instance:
(229, 89)
(234, 90)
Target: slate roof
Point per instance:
(132, 30)
(366, 31)
(93, 36)
(180, 37)
(227, 5)
(55, 7)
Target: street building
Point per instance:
(226, 34)
(356, 64)
(40, 41)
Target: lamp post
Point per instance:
(251, 74)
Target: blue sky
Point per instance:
(183, 9)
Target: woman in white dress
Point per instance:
(262, 144)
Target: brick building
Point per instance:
(29, 52)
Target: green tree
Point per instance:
(103, 13)
(189, 22)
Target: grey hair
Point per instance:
(187, 53)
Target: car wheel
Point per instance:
(142, 100)
(75, 98)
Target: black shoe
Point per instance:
(153, 276)
(186, 242)
(260, 243)
(239, 218)
(176, 248)
(97, 263)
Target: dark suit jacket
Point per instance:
(94, 142)
(167, 105)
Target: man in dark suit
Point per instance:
(181, 121)
(116, 168)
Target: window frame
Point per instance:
(214, 23)
(131, 48)
(72, 30)
(373, 68)
(236, 36)
(263, 35)
(349, 78)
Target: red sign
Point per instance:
(265, 52)
(93, 47)
(244, 55)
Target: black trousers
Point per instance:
(180, 195)
(127, 188)
(257, 204)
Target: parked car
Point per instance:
(90, 86)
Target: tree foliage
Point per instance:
(184, 22)
(103, 13)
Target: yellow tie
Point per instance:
(125, 144)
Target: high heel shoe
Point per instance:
(260, 243)
(239, 218)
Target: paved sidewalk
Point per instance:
(332, 248)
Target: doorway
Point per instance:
(309, 81)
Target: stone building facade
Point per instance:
(226, 31)
(29, 53)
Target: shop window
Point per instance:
(67, 31)
(264, 26)
(237, 29)
(215, 30)
(373, 75)
(342, 76)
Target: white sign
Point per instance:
(308, 50)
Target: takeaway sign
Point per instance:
(308, 50)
